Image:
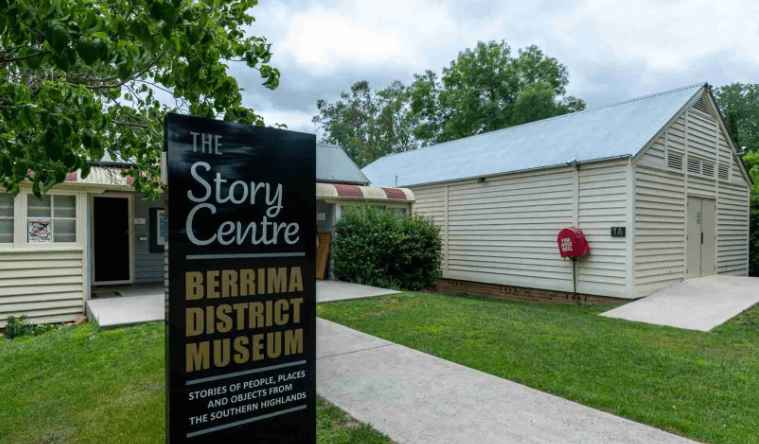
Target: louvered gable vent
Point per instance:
(694, 165)
(724, 171)
(707, 168)
(675, 160)
(701, 105)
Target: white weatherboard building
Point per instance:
(661, 166)
(95, 236)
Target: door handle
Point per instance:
(702, 238)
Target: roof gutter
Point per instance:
(573, 163)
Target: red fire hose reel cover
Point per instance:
(572, 243)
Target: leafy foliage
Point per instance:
(82, 78)
(19, 326)
(739, 103)
(483, 89)
(368, 124)
(487, 88)
(378, 247)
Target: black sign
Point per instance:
(241, 311)
(618, 231)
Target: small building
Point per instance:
(655, 183)
(95, 235)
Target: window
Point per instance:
(401, 211)
(6, 218)
(51, 219)
(159, 229)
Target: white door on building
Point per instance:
(701, 234)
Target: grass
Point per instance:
(84, 385)
(701, 385)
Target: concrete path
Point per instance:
(695, 304)
(330, 291)
(126, 310)
(417, 398)
(135, 304)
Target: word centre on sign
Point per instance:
(241, 298)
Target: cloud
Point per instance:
(613, 50)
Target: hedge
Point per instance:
(383, 248)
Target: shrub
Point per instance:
(18, 326)
(374, 246)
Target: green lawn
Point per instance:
(82, 385)
(701, 385)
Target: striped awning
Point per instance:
(109, 177)
(339, 191)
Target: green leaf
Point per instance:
(57, 35)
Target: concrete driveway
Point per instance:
(695, 304)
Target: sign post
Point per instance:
(241, 313)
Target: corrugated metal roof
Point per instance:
(608, 132)
(334, 165)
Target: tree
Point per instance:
(739, 103)
(82, 78)
(487, 88)
(368, 124)
(484, 89)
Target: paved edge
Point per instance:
(414, 397)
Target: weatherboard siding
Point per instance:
(603, 204)
(659, 251)
(732, 229)
(148, 267)
(431, 203)
(661, 196)
(503, 230)
(45, 285)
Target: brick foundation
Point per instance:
(507, 292)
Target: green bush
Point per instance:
(378, 247)
(18, 326)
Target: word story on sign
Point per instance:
(241, 300)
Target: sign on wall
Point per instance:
(38, 231)
(241, 312)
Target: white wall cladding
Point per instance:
(732, 229)
(148, 267)
(661, 193)
(503, 230)
(44, 285)
(603, 203)
(430, 203)
(659, 253)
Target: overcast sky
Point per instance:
(614, 50)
